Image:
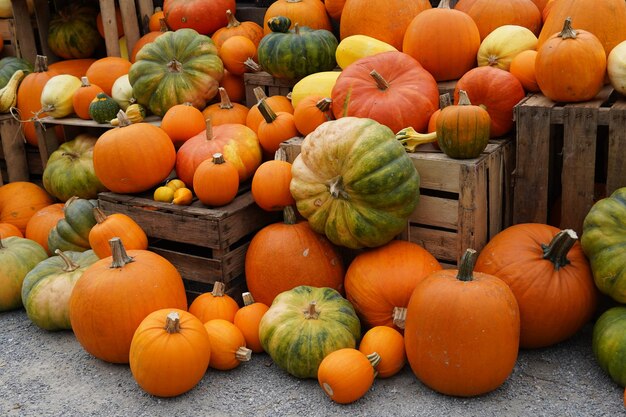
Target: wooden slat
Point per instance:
(440, 243)
(42, 17)
(109, 22)
(559, 113)
(129, 23)
(47, 141)
(145, 9)
(13, 150)
(82, 123)
(436, 212)
(579, 156)
(616, 164)
(27, 47)
(473, 209)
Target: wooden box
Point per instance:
(463, 203)
(568, 156)
(205, 244)
(19, 161)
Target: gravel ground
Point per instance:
(49, 374)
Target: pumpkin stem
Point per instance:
(464, 99)
(172, 322)
(266, 111)
(69, 264)
(568, 32)
(122, 119)
(218, 289)
(243, 354)
(41, 63)
(380, 81)
(280, 155)
(120, 257)
(374, 359)
(99, 215)
(218, 158)
(70, 201)
(1, 245)
(225, 102)
(259, 93)
(289, 215)
(466, 266)
(232, 20)
(311, 313)
(247, 298)
(163, 26)
(251, 65)
(411, 139)
(336, 188)
(556, 251)
(445, 100)
(324, 104)
(209, 128)
(296, 28)
(174, 66)
(84, 82)
(444, 4)
(399, 317)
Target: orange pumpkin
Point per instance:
(275, 128)
(523, 67)
(228, 345)
(444, 41)
(181, 122)
(334, 8)
(169, 353)
(8, 229)
(247, 319)
(99, 313)
(156, 20)
(148, 38)
(346, 374)
(277, 103)
(311, 13)
(105, 71)
(311, 112)
(462, 330)
(83, 97)
(270, 184)
(216, 181)
(19, 201)
(381, 280)
(238, 143)
(225, 111)
(76, 67)
(149, 156)
(115, 225)
(307, 258)
(550, 276)
(214, 305)
(234, 86)
(490, 14)
(384, 20)
(389, 344)
(39, 226)
(249, 29)
(239, 54)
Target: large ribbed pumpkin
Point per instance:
(490, 14)
(445, 41)
(390, 87)
(354, 182)
(384, 20)
(604, 19)
(133, 158)
(306, 258)
(116, 293)
(177, 67)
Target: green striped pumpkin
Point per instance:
(17, 257)
(296, 53)
(178, 67)
(354, 182)
(609, 343)
(305, 324)
(73, 32)
(72, 232)
(47, 288)
(10, 64)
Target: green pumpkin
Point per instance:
(72, 232)
(609, 343)
(103, 108)
(17, 257)
(354, 182)
(305, 324)
(69, 171)
(9, 65)
(604, 242)
(178, 67)
(73, 32)
(47, 288)
(296, 53)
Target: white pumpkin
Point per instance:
(122, 92)
(616, 67)
(57, 94)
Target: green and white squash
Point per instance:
(72, 232)
(73, 32)
(69, 171)
(609, 343)
(103, 108)
(17, 257)
(354, 182)
(47, 288)
(178, 67)
(604, 242)
(296, 53)
(305, 324)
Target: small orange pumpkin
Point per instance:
(225, 111)
(83, 97)
(181, 122)
(216, 181)
(347, 374)
(277, 103)
(115, 225)
(105, 71)
(239, 54)
(275, 128)
(270, 184)
(247, 319)
(228, 345)
(214, 305)
(39, 226)
(312, 111)
(523, 67)
(389, 344)
(8, 229)
(19, 201)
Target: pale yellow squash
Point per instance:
(56, 96)
(320, 83)
(502, 45)
(616, 67)
(356, 47)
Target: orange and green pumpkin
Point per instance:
(72, 232)
(609, 343)
(73, 32)
(305, 324)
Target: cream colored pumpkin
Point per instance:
(122, 92)
(320, 83)
(356, 47)
(616, 67)
(502, 45)
(56, 96)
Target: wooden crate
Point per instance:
(463, 203)
(205, 244)
(19, 161)
(568, 156)
(135, 16)
(10, 46)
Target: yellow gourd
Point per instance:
(356, 47)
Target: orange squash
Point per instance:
(270, 184)
(277, 103)
(311, 112)
(225, 111)
(83, 97)
(347, 374)
(214, 305)
(216, 181)
(275, 128)
(115, 225)
(389, 344)
(228, 345)
(105, 71)
(181, 122)
(247, 319)
(8, 229)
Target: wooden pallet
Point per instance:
(463, 203)
(568, 156)
(205, 244)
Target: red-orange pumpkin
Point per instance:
(205, 17)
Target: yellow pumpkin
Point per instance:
(356, 47)
(56, 96)
(502, 45)
(320, 83)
